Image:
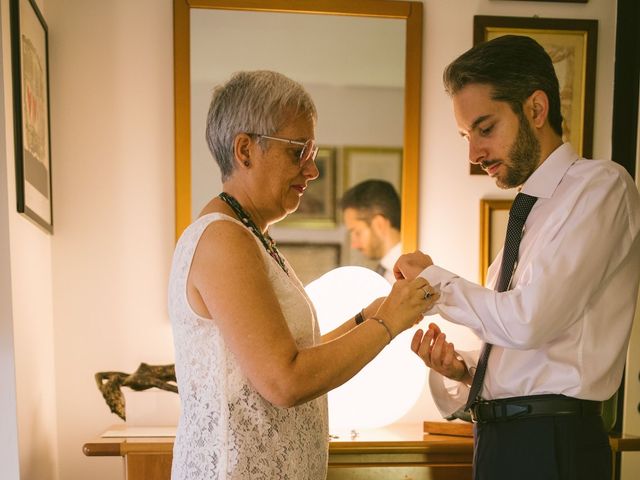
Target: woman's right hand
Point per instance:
(406, 304)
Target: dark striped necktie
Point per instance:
(515, 230)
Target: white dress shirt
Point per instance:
(389, 260)
(564, 326)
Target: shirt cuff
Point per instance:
(438, 278)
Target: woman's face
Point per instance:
(283, 177)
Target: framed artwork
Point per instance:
(494, 217)
(554, 1)
(366, 163)
(571, 44)
(30, 65)
(318, 204)
(311, 260)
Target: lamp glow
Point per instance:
(385, 389)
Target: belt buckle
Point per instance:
(475, 407)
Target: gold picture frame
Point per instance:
(494, 216)
(571, 44)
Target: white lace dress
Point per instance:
(226, 429)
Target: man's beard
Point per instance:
(376, 246)
(524, 155)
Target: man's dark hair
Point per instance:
(515, 66)
(374, 197)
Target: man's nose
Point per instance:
(477, 153)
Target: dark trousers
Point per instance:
(565, 447)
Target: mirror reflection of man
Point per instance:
(371, 213)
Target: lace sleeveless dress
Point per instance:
(226, 430)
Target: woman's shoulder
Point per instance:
(226, 239)
(213, 221)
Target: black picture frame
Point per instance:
(32, 134)
(553, 1)
(578, 34)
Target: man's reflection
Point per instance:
(371, 213)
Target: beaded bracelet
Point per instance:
(384, 324)
(359, 317)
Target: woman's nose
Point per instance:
(310, 170)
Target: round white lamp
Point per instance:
(385, 389)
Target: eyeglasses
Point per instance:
(309, 148)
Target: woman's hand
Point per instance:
(406, 304)
(410, 265)
(438, 354)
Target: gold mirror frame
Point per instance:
(409, 11)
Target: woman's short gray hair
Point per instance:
(252, 102)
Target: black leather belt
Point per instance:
(508, 409)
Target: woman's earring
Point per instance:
(246, 163)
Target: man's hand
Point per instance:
(438, 354)
(410, 265)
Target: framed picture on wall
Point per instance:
(30, 65)
(494, 217)
(318, 204)
(571, 44)
(366, 163)
(553, 1)
(311, 260)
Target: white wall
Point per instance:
(112, 127)
(9, 455)
(101, 278)
(30, 253)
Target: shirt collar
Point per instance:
(546, 178)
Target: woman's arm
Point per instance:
(366, 312)
(228, 282)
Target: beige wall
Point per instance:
(98, 286)
(9, 455)
(30, 264)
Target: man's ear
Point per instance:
(537, 108)
(380, 223)
(242, 150)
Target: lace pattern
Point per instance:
(227, 431)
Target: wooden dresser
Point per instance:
(397, 452)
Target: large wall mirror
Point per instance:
(361, 62)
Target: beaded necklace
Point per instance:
(268, 242)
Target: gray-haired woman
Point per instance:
(252, 367)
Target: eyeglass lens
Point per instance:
(309, 152)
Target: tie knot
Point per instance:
(522, 205)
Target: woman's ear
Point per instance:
(538, 105)
(242, 149)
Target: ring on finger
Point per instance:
(427, 294)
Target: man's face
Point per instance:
(500, 141)
(363, 237)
